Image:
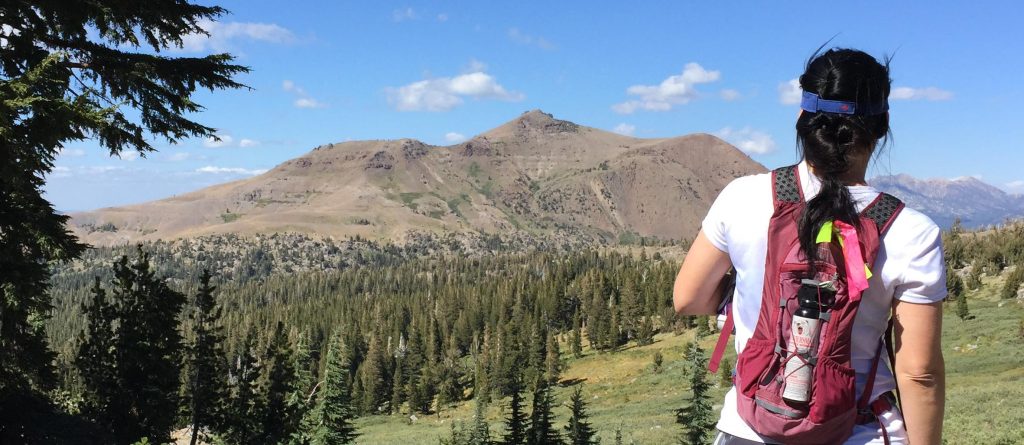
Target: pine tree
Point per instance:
(147, 352)
(277, 424)
(697, 417)
(480, 433)
(374, 378)
(517, 422)
(205, 394)
(246, 406)
(961, 306)
(725, 373)
(300, 400)
(1013, 282)
(96, 362)
(576, 338)
(579, 431)
(542, 429)
(334, 414)
(553, 361)
(72, 71)
(450, 381)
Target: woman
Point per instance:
(908, 274)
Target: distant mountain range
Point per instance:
(976, 203)
(534, 176)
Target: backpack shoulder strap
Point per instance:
(883, 211)
(786, 186)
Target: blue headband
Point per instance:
(814, 104)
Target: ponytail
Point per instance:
(829, 141)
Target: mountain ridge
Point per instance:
(534, 175)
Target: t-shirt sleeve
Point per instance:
(715, 225)
(924, 278)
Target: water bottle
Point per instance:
(813, 298)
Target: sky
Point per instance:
(441, 72)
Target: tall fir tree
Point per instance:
(516, 422)
(278, 384)
(246, 406)
(579, 430)
(697, 417)
(480, 431)
(147, 355)
(96, 359)
(68, 72)
(542, 429)
(334, 414)
(373, 376)
(205, 394)
(576, 338)
(553, 360)
(300, 400)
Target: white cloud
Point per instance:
(454, 138)
(60, 172)
(675, 90)
(246, 143)
(442, 17)
(306, 102)
(221, 140)
(790, 92)
(222, 34)
(401, 15)
(748, 140)
(928, 93)
(445, 93)
(625, 129)
(519, 37)
(231, 170)
(729, 94)
(71, 152)
(475, 66)
(302, 99)
(129, 155)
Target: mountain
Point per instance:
(976, 203)
(534, 176)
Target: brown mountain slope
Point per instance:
(535, 174)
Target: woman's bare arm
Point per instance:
(697, 290)
(920, 370)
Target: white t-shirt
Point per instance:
(909, 267)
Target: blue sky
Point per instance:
(331, 71)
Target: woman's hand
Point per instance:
(697, 290)
(920, 370)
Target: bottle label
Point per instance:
(803, 332)
(802, 336)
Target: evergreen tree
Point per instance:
(576, 338)
(146, 356)
(517, 422)
(542, 429)
(374, 378)
(333, 414)
(277, 423)
(482, 376)
(205, 395)
(480, 434)
(961, 306)
(246, 406)
(725, 373)
(450, 382)
(68, 72)
(697, 417)
(579, 431)
(553, 361)
(300, 400)
(96, 361)
(1013, 282)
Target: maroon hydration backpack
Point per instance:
(794, 378)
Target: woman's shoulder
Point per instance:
(912, 226)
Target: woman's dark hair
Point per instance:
(830, 140)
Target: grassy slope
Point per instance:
(985, 386)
